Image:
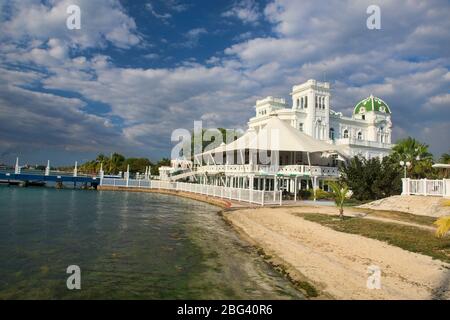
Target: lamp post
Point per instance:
(405, 165)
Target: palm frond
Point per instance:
(443, 226)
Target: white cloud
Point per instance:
(439, 102)
(247, 11)
(193, 37)
(402, 64)
(102, 21)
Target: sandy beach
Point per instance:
(336, 263)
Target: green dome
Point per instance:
(371, 104)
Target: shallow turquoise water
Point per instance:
(128, 246)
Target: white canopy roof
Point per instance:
(441, 165)
(277, 136)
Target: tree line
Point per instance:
(118, 163)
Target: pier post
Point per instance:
(47, 169)
(101, 173)
(75, 170)
(17, 168)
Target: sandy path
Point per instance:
(420, 205)
(337, 263)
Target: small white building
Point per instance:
(367, 132)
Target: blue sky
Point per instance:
(137, 70)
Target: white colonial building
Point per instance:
(367, 132)
(289, 148)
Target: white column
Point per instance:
(314, 187)
(295, 189)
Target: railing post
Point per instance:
(262, 200)
(281, 197)
(425, 186)
(405, 183)
(447, 188)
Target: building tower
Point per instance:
(313, 99)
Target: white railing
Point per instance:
(426, 187)
(260, 197)
(366, 143)
(287, 169)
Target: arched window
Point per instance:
(382, 140)
(298, 103)
(306, 102)
(331, 133)
(302, 103)
(345, 134)
(360, 135)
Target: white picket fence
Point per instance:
(260, 197)
(426, 187)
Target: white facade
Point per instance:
(366, 133)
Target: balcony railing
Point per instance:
(365, 143)
(265, 169)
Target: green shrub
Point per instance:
(304, 194)
(322, 195)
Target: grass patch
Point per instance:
(409, 238)
(446, 203)
(401, 216)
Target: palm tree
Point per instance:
(410, 149)
(101, 159)
(116, 162)
(443, 226)
(340, 193)
(415, 152)
(445, 158)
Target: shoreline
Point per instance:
(335, 264)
